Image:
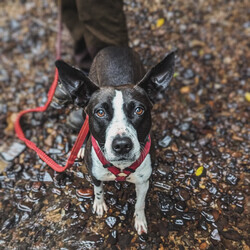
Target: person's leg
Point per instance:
(104, 24)
(71, 19)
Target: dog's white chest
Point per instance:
(141, 174)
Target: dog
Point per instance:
(118, 97)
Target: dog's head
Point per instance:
(119, 117)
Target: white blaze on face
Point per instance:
(119, 125)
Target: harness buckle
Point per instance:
(121, 178)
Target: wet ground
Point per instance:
(199, 195)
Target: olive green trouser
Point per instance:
(95, 24)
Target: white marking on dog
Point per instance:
(119, 125)
(99, 206)
(140, 218)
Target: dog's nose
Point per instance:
(122, 145)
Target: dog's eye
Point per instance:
(100, 112)
(139, 110)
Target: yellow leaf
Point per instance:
(185, 90)
(199, 171)
(247, 96)
(160, 22)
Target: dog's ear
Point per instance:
(158, 78)
(77, 84)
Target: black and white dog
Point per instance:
(118, 97)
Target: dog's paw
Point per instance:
(99, 207)
(140, 222)
(80, 154)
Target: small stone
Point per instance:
(184, 194)
(25, 206)
(215, 214)
(36, 186)
(231, 179)
(179, 222)
(231, 235)
(180, 206)
(84, 192)
(56, 191)
(47, 177)
(11, 152)
(209, 217)
(111, 221)
(215, 235)
(203, 246)
(176, 132)
(184, 126)
(165, 141)
(205, 196)
(188, 74)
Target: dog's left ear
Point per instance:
(77, 84)
(158, 78)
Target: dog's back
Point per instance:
(114, 66)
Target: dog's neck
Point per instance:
(121, 164)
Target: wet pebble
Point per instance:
(165, 142)
(212, 188)
(111, 221)
(47, 177)
(224, 206)
(180, 206)
(231, 179)
(84, 192)
(176, 132)
(231, 235)
(36, 186)
(179, 222)
(208, 217)
(25, 206)
(203, 225)
(205, 196)
(9, 223)
(239, 208)
(183, 194)
(11, 152)
(215, 235)
(165, 203)
(184, 126)
(143, 237)
(188, 74)
(56, 191)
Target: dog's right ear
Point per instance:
(77, 84)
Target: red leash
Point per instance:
(83, 132)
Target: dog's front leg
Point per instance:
(140, 218)
(99, 205)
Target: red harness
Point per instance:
(121, 175)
